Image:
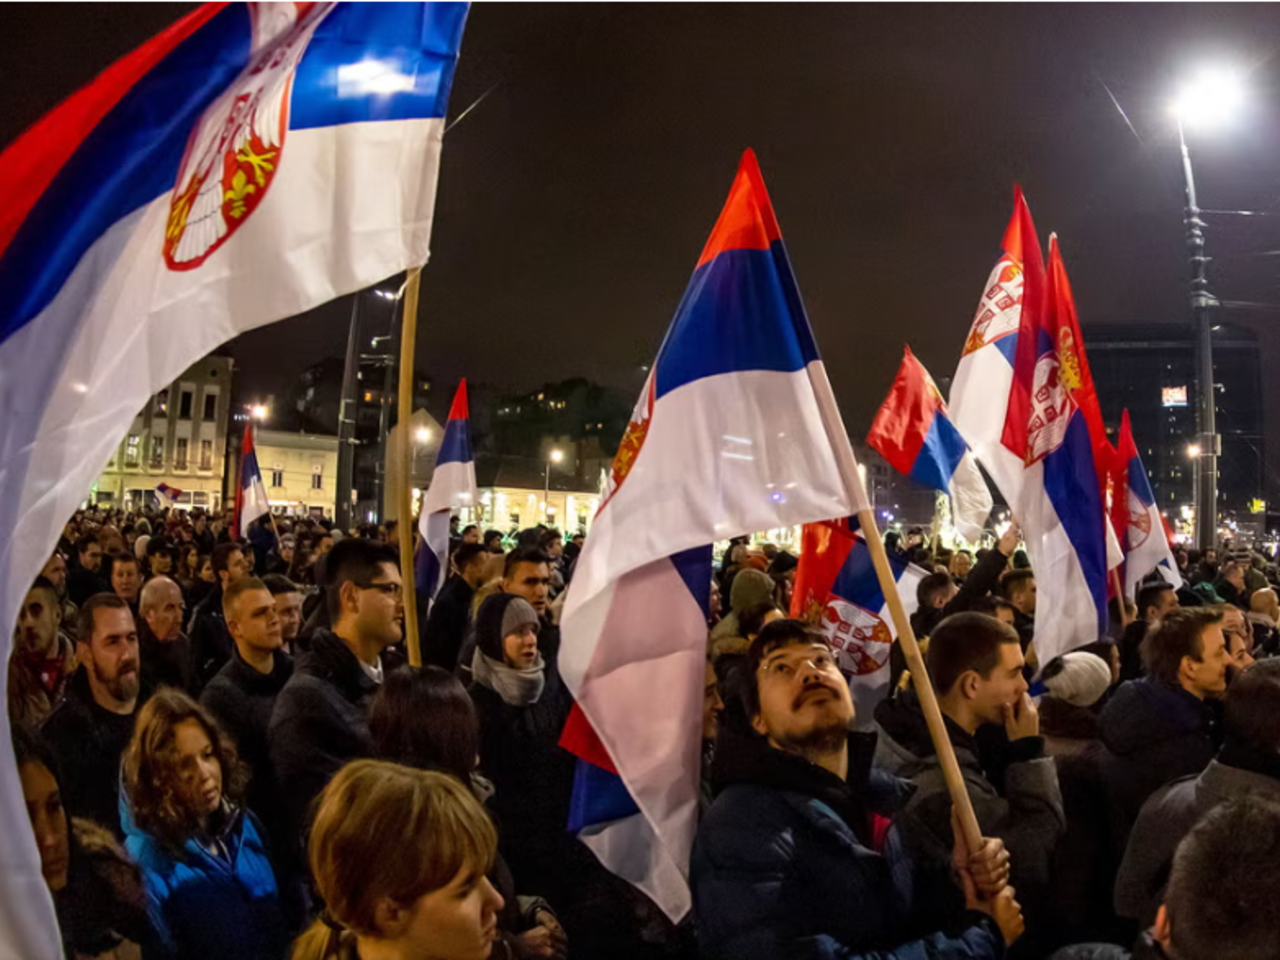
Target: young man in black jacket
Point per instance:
(451, 612)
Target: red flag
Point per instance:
(824, 547)
(1021, 244)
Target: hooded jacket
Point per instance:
(102, 911)
(750, 587)
(785, 865)
(211, 643)
(30, 702)
(1022, 806)
(1155, 733)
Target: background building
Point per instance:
(179, 438)
(299, 470)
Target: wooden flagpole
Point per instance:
(1125, 619)
(404, 411)
(906, 636)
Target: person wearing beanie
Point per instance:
(522, 707)
(750, 588)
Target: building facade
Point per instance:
(299, 470)
(179, 438)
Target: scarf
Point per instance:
(518, 688)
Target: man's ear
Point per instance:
(759, 726)
(1161, 932)
(968, 684)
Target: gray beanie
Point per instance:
(519, 613)
(1081, 681)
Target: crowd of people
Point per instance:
(224, 753)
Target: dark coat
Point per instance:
(982, 579)
(1171, 813)
(318, 724)
(784, 865)
(89, 742)
(168, 663)
(83, 584)
(533, 775)
(210, 641)
(447, 624)
(1020, 802)
(1154, 733)
(104, 904)
(241, 699)
(1131, 650)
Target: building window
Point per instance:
(131, 450)
(184, 405)
(180, 457)
(161, 408)
(277, 477)
(317, 481)
(210, 406)
(206, 454)
(157, 452)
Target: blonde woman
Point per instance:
(399, 857)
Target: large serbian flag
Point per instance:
(914, 434)
(453, 485)
(251, 494)
(245, 165)
(837, 589)
(1146, 548)
(735, 431)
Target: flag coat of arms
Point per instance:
(453, 485)
(735, 431)
(838, 590)
(914, 434)
(1143, 537)
(247, 164)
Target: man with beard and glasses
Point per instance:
(795, 857)
(94, 723)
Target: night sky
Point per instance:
(575, 199)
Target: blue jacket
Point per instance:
(782, 868)
(205, 907)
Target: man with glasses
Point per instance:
(319, 721)
(795, 858)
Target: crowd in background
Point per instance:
(225, 754)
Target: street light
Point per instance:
(1212, 99)
(258, 411)
(555, 456)
(423, 434)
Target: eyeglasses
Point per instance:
(783, 668)
(391, 589)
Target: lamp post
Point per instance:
(1211, 99)
(1194, 452)
(555, 456)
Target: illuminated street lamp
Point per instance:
(1212, 99)
(423, 434)
(258, 411)
(555, 456)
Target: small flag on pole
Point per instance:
(168, 495)
(1143, 537)
(251, 494)
(453, 485)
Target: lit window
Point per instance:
(131, 451)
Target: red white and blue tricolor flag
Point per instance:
(914, 434)
(251, 493)
(247, 164)
(1146, 548)
(453, 485)
(838, 590)
(735, 431)
(168, 495)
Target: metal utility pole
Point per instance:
(1202, 301)
(347, 422)
(384, 411)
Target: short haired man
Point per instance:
(43, 658)
(1018, 586)
(1247, 764)
(55, 571)
(493, 541)
(94, 723)
(85, 578)
(1160, 726)
(446, 624)
(166, 651)
(976, 668)
(1230, 583)
(126, 579)
(160, 557)
(785, 863)
(997, 607)
(288, 599)
(209, 636)
(243, 693)
(319, 722)
(470, 533)
(1154, 601)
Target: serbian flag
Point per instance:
(735, 430)
(983, 382)
(1060, 504)
(453, 485)
(1146, 545)
(251, 493)
(249, 163)
(916, 437)
(837, 590)
(168, 495)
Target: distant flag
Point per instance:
(837, 589)
(1146, 545)
(1060, 507)
(914, 434)
(168, 495)
(249, 163)
(453, 485)
(251, 494)
(735, 431)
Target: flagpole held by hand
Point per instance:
(404, 509)
(906, 636)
